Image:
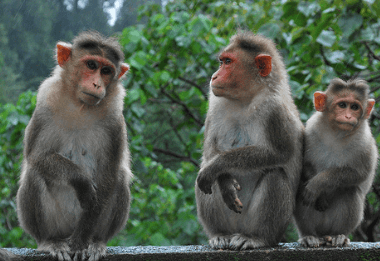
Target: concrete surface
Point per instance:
(284, 251)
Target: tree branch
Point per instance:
(195, 85)
(377, 57)
(175, 155)
(184, 106)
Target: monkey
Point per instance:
(252, 153)
(339, 164)
(74, 191)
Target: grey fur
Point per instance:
(255, 147)
(339, 168)
(74, 186)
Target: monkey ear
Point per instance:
(264, 64)
(63, 53)
(320, 101)
(124, 68)
(368, 111)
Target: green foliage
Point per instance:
(172, 58)
(13, 120)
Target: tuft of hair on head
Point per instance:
(93, 40)
(359, 86)
(253, 43)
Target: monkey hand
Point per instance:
(229, 188)
(309, 194)
(205, 180)
(86, 192)
(322, 203)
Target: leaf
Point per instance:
(349, 23)
(326, 38)
(335, 57)
(270, 30)
(308, 8)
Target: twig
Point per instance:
(186, 109)
(178, 156)
(377, 57)
(195, 85)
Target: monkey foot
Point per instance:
(241, 242)
(58, 250)
(337, 241)
(311, 241)
(96, 251)
(220, 242)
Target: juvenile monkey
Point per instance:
(340, 160)
(74, 185)
(252, 158)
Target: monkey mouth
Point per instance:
(92, 95)
(90, 98)
(348, 126)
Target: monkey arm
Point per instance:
(324, 183)
(53, 167)
(282, 139)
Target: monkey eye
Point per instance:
(91, 65)
(106, 70)
(342, 105)
(227, 61)
(354, 107)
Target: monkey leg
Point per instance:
(268, 205)
(48, 217)
(112, 219)
(343, 215)
(268, 213)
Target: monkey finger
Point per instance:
(236, 184)
(238, 206)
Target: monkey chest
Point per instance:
(237, 136)
(82, 149)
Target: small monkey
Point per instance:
(340, 161)
(74, 185)
(252, 157)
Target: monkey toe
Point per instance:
(340, 241)
(241, 242)
(96, 251)
(309, 241)
(219, 242)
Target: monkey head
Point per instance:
(345, 106)
(94, 71)
(239, 68)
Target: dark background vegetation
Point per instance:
(172, 52)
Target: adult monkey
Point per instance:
(339, 164)
(253, 144)
(74, 185)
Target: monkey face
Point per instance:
(232, 80)
(96, 73)
(345, 112)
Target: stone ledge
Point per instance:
(284, 251)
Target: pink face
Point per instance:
(96, 74)
(345, 112)
(229, 80)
